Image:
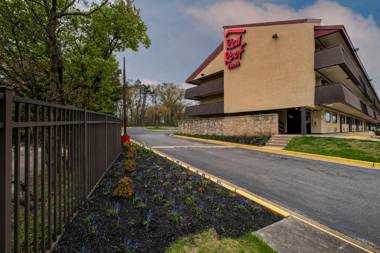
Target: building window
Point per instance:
(327, 117)
(364, 107)
(334, 118)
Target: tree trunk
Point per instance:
(54, 55)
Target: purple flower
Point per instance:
(97, 231)
(116, 206)
(197, 177)
(170, 196)
(129, 243)
(149, 214)
(243, 201)
(83, 249)
(177, 208)
(202, 204)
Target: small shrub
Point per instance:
(132, 148)
(188, 186)
(189, 201)
(200, 189)
(112, 212)
(174, 216)
(131, 154)
(169, 203)
(197, 210)
(148, 218)
(240, 206)
(130, 165)
(141, 205)
(158, 197)
(232, 194)
(124, 188)
(136, 200)
(87, 220)
(142, 150)
(166, 184)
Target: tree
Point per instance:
(171, 98)
(23, 62)
(56, 51)
(154, 104)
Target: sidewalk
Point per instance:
(290, 235)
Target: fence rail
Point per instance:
(51, 157)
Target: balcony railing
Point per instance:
(338, 93)
(205, 109)
(208, 88)
(338, 56)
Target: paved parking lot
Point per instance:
(344, 198)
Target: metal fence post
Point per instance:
(85, 154)
(5, 168)
(106, 142)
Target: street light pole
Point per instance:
(124, 99)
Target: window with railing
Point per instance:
(364, 107)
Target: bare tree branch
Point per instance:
(81, 13)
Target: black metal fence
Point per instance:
(51, 157)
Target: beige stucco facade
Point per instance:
(320, 125)
(278, 73)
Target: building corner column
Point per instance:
(303, 121)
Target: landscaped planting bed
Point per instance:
(250, 140)
(165, 202)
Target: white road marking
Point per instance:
(191, 146)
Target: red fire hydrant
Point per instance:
(125, 139)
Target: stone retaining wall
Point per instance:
(249, 125)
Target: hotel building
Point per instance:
(295, 76)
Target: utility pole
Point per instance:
(124, 99)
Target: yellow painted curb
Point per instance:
(264, 202)
(332, 159)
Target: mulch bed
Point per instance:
(169, 202)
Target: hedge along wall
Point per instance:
(249, 125)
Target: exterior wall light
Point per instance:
(275, 36)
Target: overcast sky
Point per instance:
(184, 32)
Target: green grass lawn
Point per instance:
(209, 242)
(347, 148)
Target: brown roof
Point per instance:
(205, 63)
(320, 31)
(284, 22)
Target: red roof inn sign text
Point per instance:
(234, 48)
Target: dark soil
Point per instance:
(250, 140)
(168, 202)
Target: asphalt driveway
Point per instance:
(341, 197)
